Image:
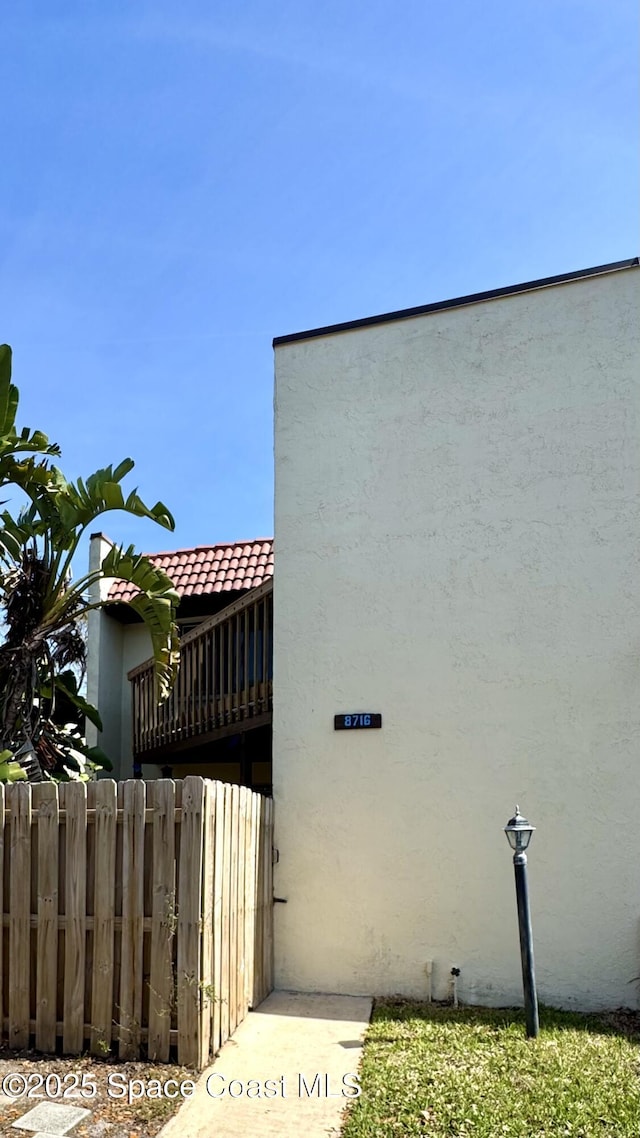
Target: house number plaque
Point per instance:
(357, 720)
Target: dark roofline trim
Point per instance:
(457, 302)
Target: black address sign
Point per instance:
(357, 719)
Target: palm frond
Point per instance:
(27, 759)
(156, 602)
(80, 503)
(12, 442)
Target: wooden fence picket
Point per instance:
(233, 910)
(75, 800)
(206, 968)
(240, 963)
(259, 893)
(162, 796)
(3, 986)
(189, 918)
(216, 1039)
(133, 915)
(45, 802)
(250, 894)
(224, 924)
(19, 927)
(103, 916)
(131, 960)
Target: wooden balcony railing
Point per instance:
(225, 678)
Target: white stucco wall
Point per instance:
(112, 650)
(136, 648)
(457, 537)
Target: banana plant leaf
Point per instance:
(156, 602)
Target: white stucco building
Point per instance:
(457, 548)
(211, 725)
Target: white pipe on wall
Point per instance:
(455, 972)
(429, 971)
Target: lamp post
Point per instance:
(519, 833)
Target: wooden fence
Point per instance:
(136, 916)
(224, 678)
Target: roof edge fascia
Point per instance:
(456, 302)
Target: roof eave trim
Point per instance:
(456, 302)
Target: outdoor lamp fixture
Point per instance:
(519, 833)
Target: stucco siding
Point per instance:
(113, 649)
(457, 547)
(104, 661)
(136, 648)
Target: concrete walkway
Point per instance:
(263, 1083)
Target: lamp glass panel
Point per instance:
(519, 838)
(524, 837)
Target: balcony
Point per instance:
(224, 683)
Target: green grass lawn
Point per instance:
(431, 1071)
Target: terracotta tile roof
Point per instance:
(210, 568)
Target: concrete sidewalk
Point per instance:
(282, 1073)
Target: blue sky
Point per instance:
(183, 181)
